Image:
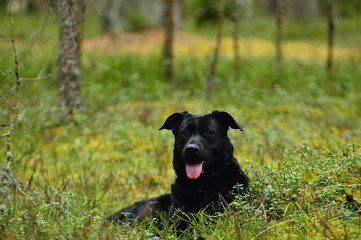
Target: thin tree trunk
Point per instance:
(168, 40)
(71, 13)
(236, 52)
(279, 35)
(331, 35)
(214, 59)
(31, 6)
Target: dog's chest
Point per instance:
(193, 198)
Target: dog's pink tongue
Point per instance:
(194, 170)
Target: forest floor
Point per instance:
(197, 45)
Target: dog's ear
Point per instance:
(227, 119)
(173, 120)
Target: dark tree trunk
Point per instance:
(279, 35)
(71, 14)
(331, 35)
(214, 59)
(235, 18)
(168, 43)
(32, 6)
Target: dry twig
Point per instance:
(269, 228)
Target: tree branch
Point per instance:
(6, 101)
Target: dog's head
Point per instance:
(201, 142)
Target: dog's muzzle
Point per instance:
(192, 155)
(192, 151)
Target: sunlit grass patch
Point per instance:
(199, 46)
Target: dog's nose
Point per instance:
(192, 148)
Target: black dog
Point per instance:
(204, 164)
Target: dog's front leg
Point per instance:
(170, 212)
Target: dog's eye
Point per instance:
(208, 132)
(185, 132)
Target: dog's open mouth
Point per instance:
(193, 171)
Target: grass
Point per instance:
(301, 145)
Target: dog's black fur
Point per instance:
(204, 164)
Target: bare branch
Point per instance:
(31, 40)
(16, 109)
(51, 75)
(9, 27)
(271, 227)
(6, 101)
(3, 74)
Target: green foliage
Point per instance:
(307, 192)
(348, 8)
(136, 22)
(205, 11)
